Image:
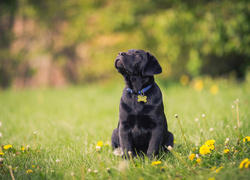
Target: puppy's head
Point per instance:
(136, 62)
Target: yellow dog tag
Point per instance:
(142, 98)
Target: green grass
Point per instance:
(70, 121)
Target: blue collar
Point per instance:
(141, 91)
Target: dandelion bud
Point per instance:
(197, 156)
(72, 174)
(95, 171)
(235, 127)
(129, 153)
(227, 140)
(201, 130)
(1, 160)
(232, 106)
(203, 115)
(176, 115)
(89, 170)
(227, 126)
(196, 119)
(57, 160)
(237, 100)
(170, 148)
(34, 133)
(211, 129)
(98, 148)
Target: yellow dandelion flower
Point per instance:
(191, 157)
(198, 160)
(245, 163)
(226, 151)
(213, 168)
(7, 146)
(33, 166)
(247, 138)
(210, 144)
(204, 149)
(1, 153)
(214, 89)
(99, 143)
(199, 84)
(217, 170)
(22, 148)
(29, 171)
(184, 80)
(155, 163)
(212, 178)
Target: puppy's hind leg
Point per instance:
(115, 139)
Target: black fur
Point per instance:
(142, 126)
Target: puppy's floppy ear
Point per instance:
(152, 66)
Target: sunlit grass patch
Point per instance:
(66, 134)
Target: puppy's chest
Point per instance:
(139, 122)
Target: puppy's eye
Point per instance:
(137, 55)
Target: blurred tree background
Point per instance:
(53, 43)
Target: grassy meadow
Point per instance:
(53, 133)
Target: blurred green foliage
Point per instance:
(82, 38)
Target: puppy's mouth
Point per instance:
(120, 67)
(118, 63)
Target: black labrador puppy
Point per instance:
(142, 123)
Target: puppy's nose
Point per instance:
(121, 53)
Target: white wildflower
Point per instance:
(98, 148)
(170, 148)
(95, 171)
(227, 140)
(118, 152)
